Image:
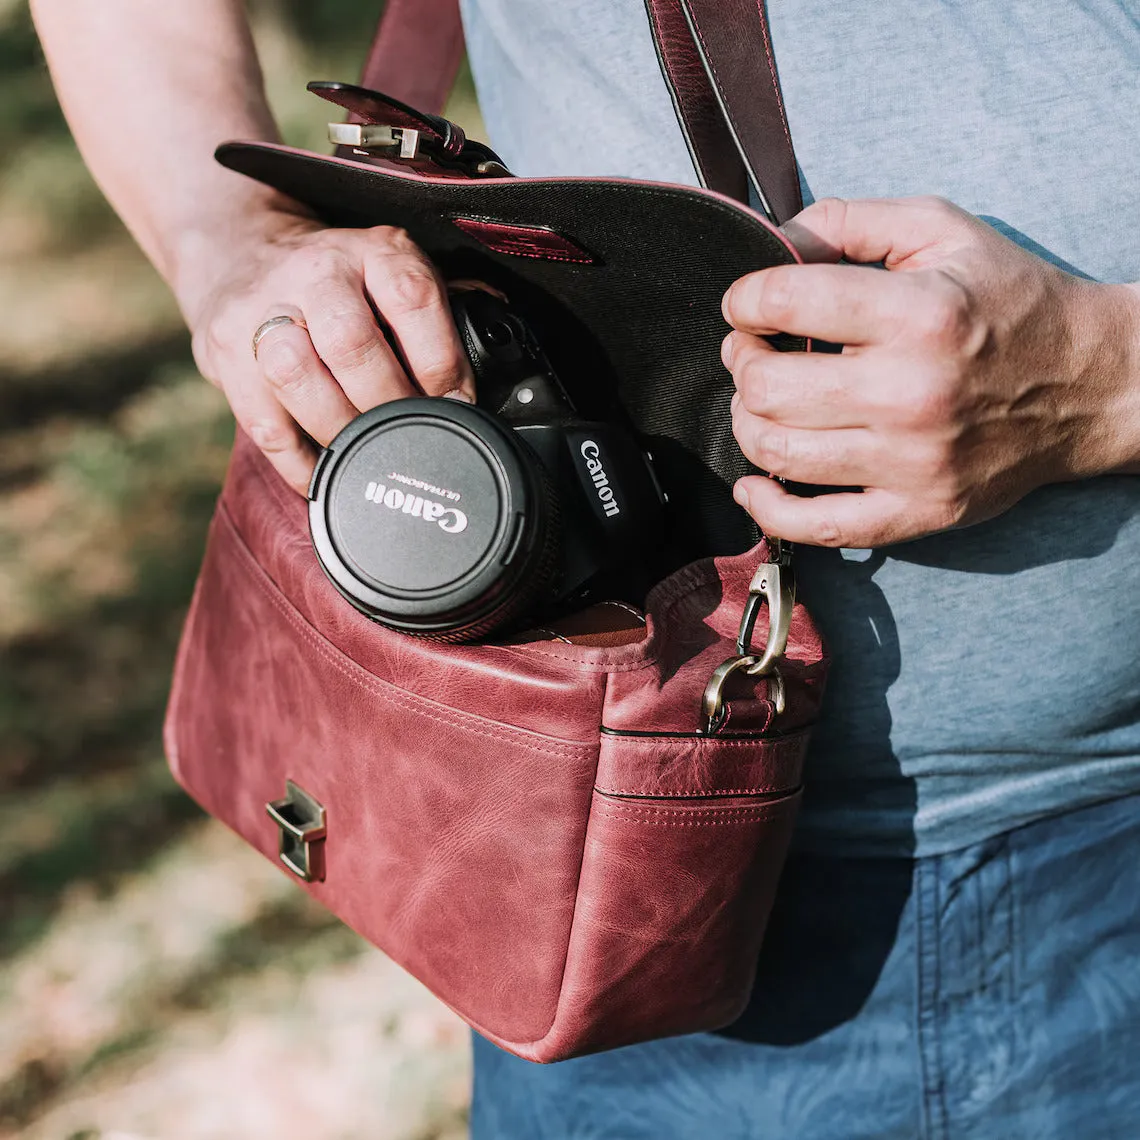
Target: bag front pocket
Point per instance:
(676, 888)
(453, 842)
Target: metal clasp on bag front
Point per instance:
(303, 824)
(773, 584)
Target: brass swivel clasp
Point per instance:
(773, 585)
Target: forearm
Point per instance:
(149, 90)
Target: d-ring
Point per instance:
(773, 584)
(714, 712)
(266, 326)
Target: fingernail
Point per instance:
(728, 350)
(740, 494)
(726, 302)
(460, 395)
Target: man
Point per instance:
(955, 948)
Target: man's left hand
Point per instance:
(972, 373)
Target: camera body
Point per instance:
(443, 519)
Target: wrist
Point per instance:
(230, 236)
(1105, 334)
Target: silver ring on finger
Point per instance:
(268, 326)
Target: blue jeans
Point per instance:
(990, 992)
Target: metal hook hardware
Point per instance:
(773, 583)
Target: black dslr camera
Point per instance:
(450, 521)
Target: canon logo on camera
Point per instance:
(449, 519)
(591, 453)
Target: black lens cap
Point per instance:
(423, 513)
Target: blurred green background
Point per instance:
(156, 978)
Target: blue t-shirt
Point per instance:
(986, 677)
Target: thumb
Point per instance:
(903, 233)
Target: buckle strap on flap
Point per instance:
(384, 127)
(717, 59)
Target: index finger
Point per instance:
(411, 297)
(848, 304)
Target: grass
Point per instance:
(152, 968)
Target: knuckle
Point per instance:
(439, 371)
(946, 320)
(947, 511)
(313, 262)
(933, 466)
(777, 295)
(936, 202)
(394, 238)
(833, 212)
(350, 339)
(412, 290)
(205, 349)
(283, 365)
(929, 404)
(771, 451)
(826, 531)
(270, 436)
(754, 385)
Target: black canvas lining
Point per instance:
(641, 326)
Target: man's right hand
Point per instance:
(311, 377)
(150, 90)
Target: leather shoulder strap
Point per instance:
(732, 41)
(716, 56)
(703, 123)
(417, 52)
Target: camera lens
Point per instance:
(433, 517)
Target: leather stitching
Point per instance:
(688, 122)
(510, 233)
(711, 818)
(772, 70)
(688, 813)
(454, 718)
(789, 743)
(712, 67)
(697, 794)
(725, 105)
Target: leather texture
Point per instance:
(524, 241)
(734, 44)
(711, 146)
(563, 888)
(537, 829)
(636, 332)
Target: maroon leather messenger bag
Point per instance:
(572, 835)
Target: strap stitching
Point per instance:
(413, 702)
(775, 79)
